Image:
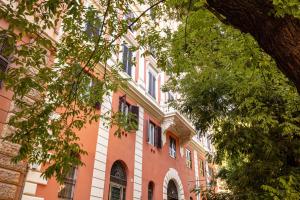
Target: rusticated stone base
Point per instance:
(11, 175)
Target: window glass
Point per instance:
(127, 59)
(172, 148)
(151, 133)
(5, 51)
(188, 155)
(67, 188)
(152, 84)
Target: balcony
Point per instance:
(176, 123)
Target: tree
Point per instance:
(59, 83)
(75, 61)
(272, 23)
(228, 84)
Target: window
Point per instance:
(150, 190)
(127, 59)
(172, 192)
(5, 52)
(151, 133)
(170, 97)
(152, 83)
(188, 155)
(67, 188)
(201, 168)
(93, 28)
(172, 148)
(154, 134)
(129, 17)
(118, 181)
(131, 111)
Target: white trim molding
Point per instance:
(138, 157)
(196, 172)
(172, 174)
(98, 179)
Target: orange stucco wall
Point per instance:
(88, 139)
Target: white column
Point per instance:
(98, 178)
(138, 157)
(33, 179)
(196, 172)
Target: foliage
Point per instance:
(228, 84)
(59, 81)
(52, 102)
(290, 7)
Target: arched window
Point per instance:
(172, 192)
(150, 190)
(118, 181)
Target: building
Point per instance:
(162, 159)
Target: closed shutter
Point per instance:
(159, 145)
(125, 57)
(129, 65)
(147, 130)
(155, 136)
(153, 86)
(150, 84)
(135, 112)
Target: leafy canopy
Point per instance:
(229, 85)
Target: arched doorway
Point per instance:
(172, 192)
(150, 190)
(118, 181)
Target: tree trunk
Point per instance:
(279, 37)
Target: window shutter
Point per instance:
(147, 130)
(135, 111)
(155, 137)
(150, 83)
(159, 145)
(153, 86)
(129, 62)
(125, 57)
(122, 100)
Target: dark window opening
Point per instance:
(118, 181)
(5, 52)
(150, 190)
(172, 192)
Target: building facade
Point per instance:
(162, 159)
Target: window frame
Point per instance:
(4, 60)
(151, 135)
(125, 107)
(172, 147)
(188, 156)
(152, 82)
(69, 181)
(127, 59)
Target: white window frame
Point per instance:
(129, 44)
(172, 147)
(188, 155)
(125, 108)
(150, 69)
(151, 133)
